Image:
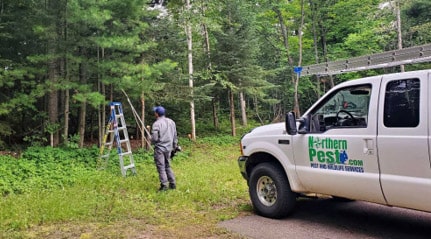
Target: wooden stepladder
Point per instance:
(116, 131)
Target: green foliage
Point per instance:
(44, 168)
(91, 50)
(73, 141)
(417, 21)
(36, 139)
(61, 187)
(5, 130)
(93, 98)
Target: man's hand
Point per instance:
(177, 149)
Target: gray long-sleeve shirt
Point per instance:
(164, 134)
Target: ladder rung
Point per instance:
(105, 156)
(129, 166)
(117, 123)
(126, 153)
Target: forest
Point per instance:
(215, 65)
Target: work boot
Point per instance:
(163, 188)
(172, 186)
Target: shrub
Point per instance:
(44, 168)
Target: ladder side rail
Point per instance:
(411, 55)
(122, 137)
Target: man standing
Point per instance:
(164, 138)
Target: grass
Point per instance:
(103, 204)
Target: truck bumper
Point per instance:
(242, 160)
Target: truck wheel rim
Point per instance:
(266, 191)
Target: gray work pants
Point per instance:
(162, 160)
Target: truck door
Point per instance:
(403, 140)
(336, 155)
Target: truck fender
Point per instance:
(266, 152)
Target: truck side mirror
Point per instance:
(291, 123)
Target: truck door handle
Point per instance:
(368, 147)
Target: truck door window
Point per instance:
(348, 107)
(402, 103)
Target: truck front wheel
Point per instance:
(270, 191)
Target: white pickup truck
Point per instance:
(365, 139)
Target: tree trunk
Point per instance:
(102, 109)
(256, 108)
(232, 113)
(65, 104)
(66, 115)
(83, 110)
(285, 36)
(243, 109)
(215, 115)
(53, 103)
(99, 109)
(65, 74)
(296, 108)
(284, 31)
(82, 115)
(145, 137)
(207, 52)
(331, 79)
(315, 44)
(190, 63)
(399, 32)
(296, 98)
(207, 45)
(101, 115)
(111, 92)
(54, 9)
(325, 54)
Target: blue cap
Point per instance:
(159, 110)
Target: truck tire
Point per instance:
(270, 191)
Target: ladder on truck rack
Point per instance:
(116, 131)
(411, 55)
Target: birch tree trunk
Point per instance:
(399, 32)
(296, 108)
(315, 43)
(243, 109)
(190, 62)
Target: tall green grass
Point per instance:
(60, 193)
